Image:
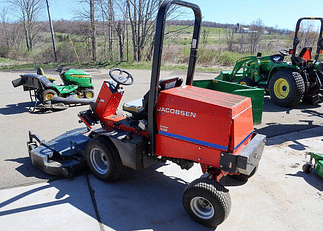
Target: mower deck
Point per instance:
(60, 156)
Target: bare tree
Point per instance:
(5, 27)
(308, 35)
(29, 11)
(255, 34)
(93, 30)
(142, 15)
(241, 41)
(120, 29)
(87, 11)
(205, 35)
(107, 17)
(229, 35)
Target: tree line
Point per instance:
(113, 18)
(119, 30)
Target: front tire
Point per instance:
(307, 168)
(207, 202)
(246, 82)
(286, 88)
(103, 159)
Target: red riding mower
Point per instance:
(173, 121)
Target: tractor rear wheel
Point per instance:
(48, 94)
(207, 202)
(88, 93)
(286, 88)
(103, 159)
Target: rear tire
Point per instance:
(48, 94)
(88, 93)
(207, 202)
(103, 159)
(286, 88)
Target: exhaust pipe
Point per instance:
(72, 100)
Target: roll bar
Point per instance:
(158, 47)
(296, 39)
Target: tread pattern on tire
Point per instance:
(295, 95)
(117, 168)
(47, 91)
(216, 190)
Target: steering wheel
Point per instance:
(120, 79)
(284, 52)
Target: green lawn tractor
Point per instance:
(318, 164)
(286, 82)
(77, 88)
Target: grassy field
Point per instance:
(213, 54)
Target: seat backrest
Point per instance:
(141, 110)
(40, 71)
(170, 82)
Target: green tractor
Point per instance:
(75, 81)
(77, 88)
(286, 82)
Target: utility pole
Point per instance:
(52, 31)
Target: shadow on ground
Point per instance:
(269, 106)
(14, 109)
(311, 178)
(146, 199)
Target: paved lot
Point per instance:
(278, 197)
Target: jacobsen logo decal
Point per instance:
(177, 112)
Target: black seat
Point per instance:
(277, 58)
(170, 82)
(139, 107)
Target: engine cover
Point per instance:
(197, 124)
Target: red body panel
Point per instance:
(242, 130)
(193, 123)
(120, 122)
(187, 127)
(107, 101)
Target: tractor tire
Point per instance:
(48, 94)
(207, 202)
(307, 168)
(103, 159)
(286, 88)
(88, 93)
(246, 82)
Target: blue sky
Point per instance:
(283, 13)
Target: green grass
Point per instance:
(211, 57)
(5, 61)
(95, 65)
